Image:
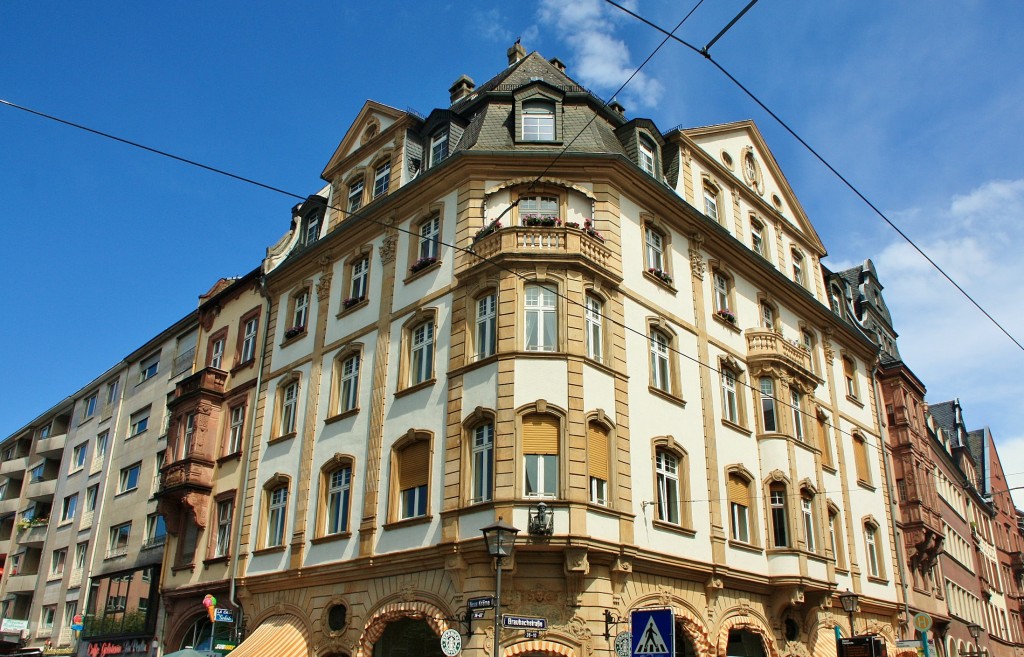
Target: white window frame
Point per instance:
(730, 402)
(721, 285)
(289, 408)
(667, 469)
(661, 370)
(421, 353)
(277, 503)
(438, 148)
(486, 336)
(124, 481)
(225, 516)
(78, 456)
(348, 393)
(740, 520)
(540, 466)
(360, 278)
(430, 237)
(593, 317)
(654, 245)
(807, 510)
(766, 386)
(69, 507)
(249, 339)
(217, 353)
(645, 153)
(871, 545)
(58, 561)
(796, 400)
(538, 120)
(149, 367)
(381, 179)
(300, 314)
(779, 517)
(483, 463)
(413, 502)
(711, 204)
(339, 492)
(236, 429)
(541, 311)
(355, 196)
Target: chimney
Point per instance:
(461, 88)
(558, 63)
(615, 106)
(515, 53)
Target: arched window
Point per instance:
(777, 501)
(275, 510)
(860, 459)
(540, 440)
(807, 514)
(287, 407)
(730, 400)
(336, 484)
(796, 404)
(873, 550)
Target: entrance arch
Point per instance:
(538, 648)
(379, 621)
(408, 637)
(742, 635)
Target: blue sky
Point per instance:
(917, 103)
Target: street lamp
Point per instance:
(500, 538)
(849, 601)
(975, 631)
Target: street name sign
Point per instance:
(486, 602)
(524, 622)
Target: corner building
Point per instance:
(634, 334)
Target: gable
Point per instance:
(372, 120)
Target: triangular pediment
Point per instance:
(373, 119)
(735, 141)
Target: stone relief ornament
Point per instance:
(323, 286)
(387, 249)
(697, 264)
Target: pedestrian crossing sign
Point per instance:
(653, 633)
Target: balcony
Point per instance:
(209, 380)
(22, 583)
(33, 536)
(51, 446)
(41, 489)
(9, 506)
(1017, 563)
(554, 243)
(767, 345)
(19, 464)
(191, 473)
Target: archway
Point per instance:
(408, 637)
(744, 643)
(197, 636)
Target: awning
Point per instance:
(280, 636)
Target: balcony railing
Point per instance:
(155, 541)
(21, 583)
(183, 362)
(542, 241)
(51, 445)
(18, 464)
(765, 344)
(190, 472)
(38, 490)
(209, 379)
(116, 552)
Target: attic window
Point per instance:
(538, 121)
(645, 153)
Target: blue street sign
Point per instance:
(222, 615)
(654, 633)
(524, 622)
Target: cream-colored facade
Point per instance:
(438, 358)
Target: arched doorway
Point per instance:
(684, 642)
(408, 637)
(744, 643)
(198, 637)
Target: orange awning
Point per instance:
(281, 636)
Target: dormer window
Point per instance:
(355, 195)
(438, 148)
(645, 153)
(538, 121)
(381, 179)
(312, 232)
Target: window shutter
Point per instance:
(860, 452)
(736, 490)
(415, 465)
(597, 450)
(540, 434)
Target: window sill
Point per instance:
(191, 567)
(276, 549)
(84, 420)
(877, 580)
(125, 492)
(746, 547)
(657, 281)
(76, 471)
(227, 458)
(213, 561)
(134, 435)
(341, 416)
(65, 522)
(415, 388)
(726, 323)
(674, 528)
(295, 338)
(831, 469)
(865, 484)
(668, 396)
(365, 301)
(331, 538)
(243, 366)
(413, 275)
(736, 427)
(281, 439)
(854, 400)
(409, 522)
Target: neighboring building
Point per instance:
(413, 393)
(209, 433)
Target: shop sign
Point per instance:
(118, 647)
(13, 625)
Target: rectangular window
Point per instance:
(667, 468)
(289, 406)
(38, 473)
(360, 278)
(129, 479)
(538, 121)
(225, 511)
(249, 340)
(483, 462)
(148, 368)
(339, 492)
(91, 493)
(355, 196)
(646, 156)
(540, 452)
(68, 507)
(101, 446)
(730, 406)
(413, 477)
(711, 203)
(739, 512)
(780, 524)
(807, 509)
(593, 316)
(112, 392)
(57, 560)
(430, 236)
(119, 535)
(156, 530)
(78, 454)
(798, 269)
(660, 377)
(217, 354)
(541, 319)
(81, 550)
(89, 406)
(721, 292)
(655, 249)
(795, 400)
(768, 405)
(422, 356)
(486, 318)
(381, 179)
(538, 210)
(767, 316)
(871, 541)
(300, 312)
(312, 228)
(46, 618)
(139, 422)
(187, 437)
(276, 508)
(349, 398)
(438, 148)
(850, 376)
(236, 431)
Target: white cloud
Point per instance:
(600, 59)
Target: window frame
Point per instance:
(647, 154)
(438, 148)
(428, 237)
(529, 99)
(807, 511)
(407, 378)
(657, 250)
(300, 304)
(417, 491)
(544, 310)
(138, 422)
(778, 507)
(336, 519)
(769, 408)
(711, 194)
(744, 480)
(124, 480)
(548, 462)
(594, 330)
(481, 454)
(797, 261)
(873, 561)
(276, 516)
(286, 407)
(89, 405)
(348, 381)
(537, 122)
(69, 507)
(758, 237)
(600, 460)
(485, 325)
(850, 378)
(149, 367)
(245, 349)
(117, 545)
(224, 523)
(355, 194)
(215, 358)
(381, 179)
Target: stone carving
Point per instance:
(620, 572)
(697, 264)
(387, 249)
(323, 286)
(830, 354)
(576, 568)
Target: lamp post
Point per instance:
(500, 538)
(849, 601)
(975, 631)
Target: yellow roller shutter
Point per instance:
(736, 489)
(597, 451)
(414, 466)
(540, 434)
(860, 453)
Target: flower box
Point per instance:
(422, 264)
(727, 315)
(661, 275)
(293, 331)
(588, 228)
(572, 224)
(351, 301)
(492, 227)
(545, 221)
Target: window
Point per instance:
(236, 430)
(667, 469)
(834, 535)
(187, 435)
(796, 401)
(598, 457)
(860, 458)
(360, 280)
(38, 473)
(139, 422)
(46, 618)
(850, 376)
(78, 454)
(339, 493)
(721, 283)
(355, 195)
(767, 316)
(249, 339)
(871, 545)
(112, 392)
(300, 311)
(129, 479)
(807, 511)
(768, 424)
(757, 241)
(91, 493)
(312, 228)
(148, 367)
(119, 535)
(422, 353)
(541, 319)
(81, 550)
(834, 296)
(483, 463)
(538, 121)
(711, 203)
(798, 268)
(217, 353)
(824, 442)
(807, 337)
(654, 249)
(381, 179)
(430, 236)
(225, 511)
(89, 406)
(277, 501)
(538, 210)
(486, 336)
(739, 507)
(660, 374)
(730, 403)
(646, 152)
(780, 523)
(412, 461)
(348, 399)
(540, 434)
(68, 507)
(750, 168)
(438, 148)
(101, 446)
(593, 317)
(289, 402)
(57, 560)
